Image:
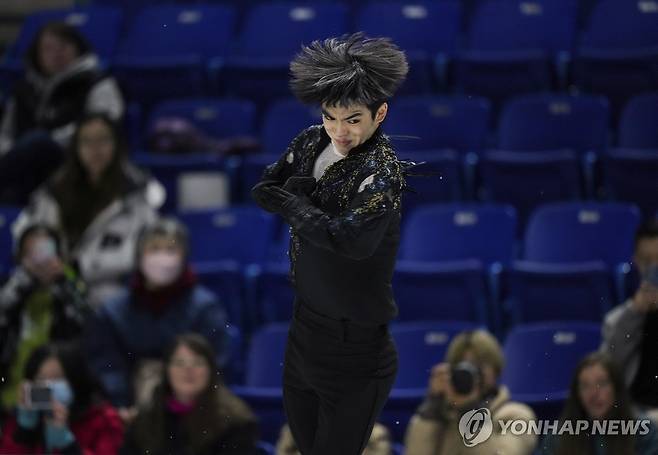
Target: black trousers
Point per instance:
(336, 379)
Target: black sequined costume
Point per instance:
(343, 245)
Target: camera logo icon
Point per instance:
(475, 427)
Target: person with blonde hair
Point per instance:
(465, 381)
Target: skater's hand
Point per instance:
(300, 185)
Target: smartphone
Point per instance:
(38, 396)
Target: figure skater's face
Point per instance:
(351, 126)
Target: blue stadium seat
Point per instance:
(632, 176)
(455, 122)
(167, 49)
(265, 448)
(528, 179)
(8, 215)
(224, 278)
(438, 178)
(424, 29)
(552, 121)
(539, 292)
(271, 34)
(540, 360)
(270, 294)
(420, 345)
(513, 46)
(239, 233)
(637, 126)
(454, 291)
(262, 389)
(283, 120)
(218, 118)
(617, 51)
(582, 232)
(453, 232)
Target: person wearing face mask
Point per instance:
(128, 334)
(63, 80)
(43, 301)
(62, 409)
(100, 202)
(630, 331)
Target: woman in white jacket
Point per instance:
(100, 202)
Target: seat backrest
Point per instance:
(279, 29)
(8, 215)
(582, 231)
(239, 233)
(413, 25)
(100, 25)
(507, 25)
(550, 122)
(218, 118)
(619, 25)
(283, 121)
(456, 122)
(421, 345)
(541, 358)
(176, 30)
(637, 126)
(452, 232)
(265, 357)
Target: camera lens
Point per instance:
(463, 377)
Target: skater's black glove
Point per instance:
(290, 206)
(262, 198)
(300, 185)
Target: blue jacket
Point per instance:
(122, 334)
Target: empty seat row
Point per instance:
(510, 47)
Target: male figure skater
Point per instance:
(338, 185)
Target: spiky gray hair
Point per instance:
(352, 69)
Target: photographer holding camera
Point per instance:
(467, 380)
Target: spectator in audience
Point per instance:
(42, 301)
(63, 80)
(630, 330)
(129, 333)
(191, 411)
(100, 202)
(598, 393)
(74, 420)
(467, 380)
(378, 444)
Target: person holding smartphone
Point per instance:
(61, 408)
(43, 301)
(630, 331)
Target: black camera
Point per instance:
(463, 377)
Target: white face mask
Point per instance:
(161, 268)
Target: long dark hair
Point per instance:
(87, 389)
(574, 410)
(61, 30)
(80, 201)
(204, 424)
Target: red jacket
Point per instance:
(100, 432)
